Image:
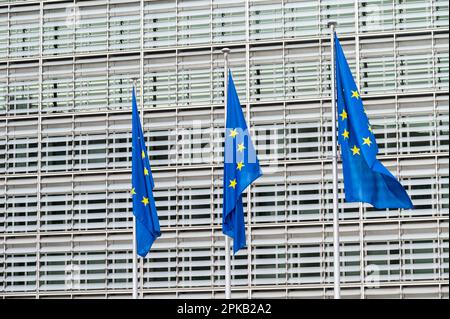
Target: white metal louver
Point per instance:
(65, 146)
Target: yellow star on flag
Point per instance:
(355, 150)
(345, 134)
(241, 147)
(370, 128)
(133, 191)
(143, 154)
(343, 115)
(145, 171)
(355, 94)
(233, 133)
(233, 183)
(367, 141)
(240, 165)
(144, 201)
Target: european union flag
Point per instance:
(365, 178)
(144, 208)
(241, 168)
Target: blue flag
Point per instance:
(144, 208)
(365, 178)
(241, 168)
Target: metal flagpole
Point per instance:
(135, 262)
(135, 274)
(226, 51)
(336, 255)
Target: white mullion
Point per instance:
(323, 135)
(438, 249)
(250, 187)
(8, 40)
(177, 25)
(436, 132)
(72, 243)
(323, 256)
(108, 25)
(323, 216)
(286, 213)
(211, 207)
(141, 99)
(400, 253)
(6, 185)
(39, 150)
(177, 240)
(211, 23)
(285, 198)
(106, 250)
(72, 199)
(438, 186)
(396, 92)
(397, 130)
(438, 178)
(361, 206)
(433, 58)
(74, 29)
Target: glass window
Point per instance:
(24, 31)
(193, 22)
(90, 84)
(23, 88)
(301, 18)
(266, 19)
(4, 33)
(414, 63)
(124, 26)
(160, 23)
(228, 21)
(57, 86)
(91, 28)
(59, 23)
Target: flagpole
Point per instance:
(135, 262)
(225, 52)
(336, 254)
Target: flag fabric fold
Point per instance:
(365, 178)
(241, 168)
(144, 207)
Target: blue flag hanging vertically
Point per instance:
(365, 178)
(144, 208)
(241, 168)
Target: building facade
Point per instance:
(65, 146)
